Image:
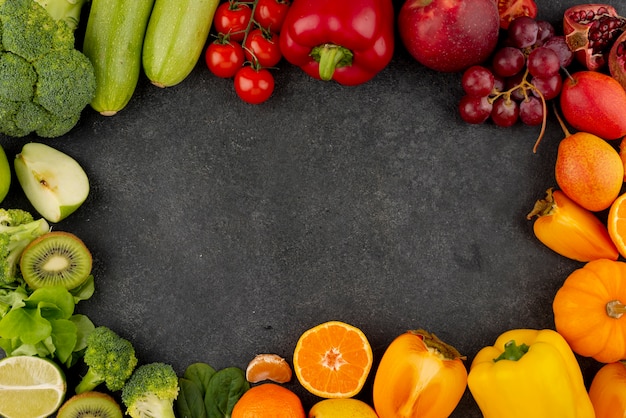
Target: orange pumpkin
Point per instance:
(589, 310)
(419, 376)
(608, 391)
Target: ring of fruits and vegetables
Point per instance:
(513, 66)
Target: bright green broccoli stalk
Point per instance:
(151, 391)
(66, 10)
(45, 82)
(111, 360)
(17, 229)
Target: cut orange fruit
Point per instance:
(616, 223)
(268, 367)
(333, 360)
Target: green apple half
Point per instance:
(54, 183)
(5, 175)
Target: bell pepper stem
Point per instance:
(331, 57)
(615, 309)
(512, 351)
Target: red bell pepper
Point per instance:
(349, 41)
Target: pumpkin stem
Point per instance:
(615, 309)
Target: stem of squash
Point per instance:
(615, 309)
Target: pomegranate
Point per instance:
(590, 30)
(449, 35)
(594, 102)
(617, 60)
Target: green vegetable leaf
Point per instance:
(25, 324)
(190, 401)
(56, 302)
(84, 291)
(12, 299)
(200, 374)
(84, 326)
(63, 337)
(225, 388)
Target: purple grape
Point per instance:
(508, 61)
(523, 31)
(477, 81)
(505, 112)
(531, 111)
(475, 110)
(543, 62)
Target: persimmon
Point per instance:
(419, 376)
(608, 391)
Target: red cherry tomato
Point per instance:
(224, 58)
(262, 47)
(270, 14)
(232, 18)
(510, 9)
(253, 85)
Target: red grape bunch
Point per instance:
(523, 75)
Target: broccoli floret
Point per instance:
(17, 230)
(56, 90)
(39, 66)
(151, 391)
(111, 360)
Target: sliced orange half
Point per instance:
(333, 360)
(616, 223)
(268, 367)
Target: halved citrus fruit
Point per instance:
(616, 223)
(30, 387)
(268, 367)
(333, 360)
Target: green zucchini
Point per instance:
(113, 42)
(175, 38)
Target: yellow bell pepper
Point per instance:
(529, 373)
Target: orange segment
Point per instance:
(333, 360)
(616, 224)
(268, 367)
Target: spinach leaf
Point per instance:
(190, 401)
(225, 388)
(200, 374)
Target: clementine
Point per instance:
(333, 360)
(268, 400)
(268, 367)
(616, 223)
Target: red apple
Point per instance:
(449, 35)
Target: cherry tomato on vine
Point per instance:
(270, 14)
(232, 18)
(224, 58)
(262, 47)
(510, 9)
(254, 85)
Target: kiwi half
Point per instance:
(90, 405)
(56, 258)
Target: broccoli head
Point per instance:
(151, 391)
(17, 229)
(45, 83)
(111, 360)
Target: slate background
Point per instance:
(221, 230)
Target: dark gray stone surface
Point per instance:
(221, 230)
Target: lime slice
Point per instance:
(30, 387)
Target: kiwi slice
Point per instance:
(56, 258)
(90, 405)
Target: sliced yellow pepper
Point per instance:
(529, 373)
